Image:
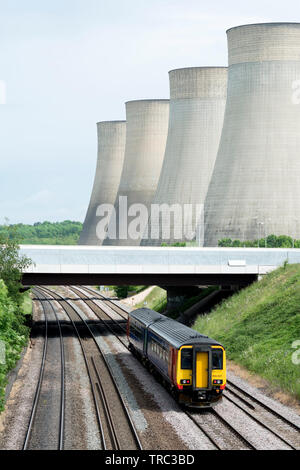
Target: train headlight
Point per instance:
(185, 382)
(217, 382)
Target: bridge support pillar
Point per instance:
(178, 294)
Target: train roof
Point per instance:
(172, 331)
(146, 315)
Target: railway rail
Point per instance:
(237, 396)
(99, 312)
(110, 407)
(116, 307)
(252, 401)
(36, 402)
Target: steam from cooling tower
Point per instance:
(111, 151)
(255, 186)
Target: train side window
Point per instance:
(217, 359)
(187, 358)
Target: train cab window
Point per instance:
(217, 359)
(187, 358)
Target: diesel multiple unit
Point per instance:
(191, 365)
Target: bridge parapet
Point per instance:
(155, 260)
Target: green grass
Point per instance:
(156, 300)
(258, 326)
(136, 289)
(27, 303)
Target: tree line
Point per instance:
(45, 233)
(272, 241)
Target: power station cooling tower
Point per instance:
(146, 135)
(197, 105)
(255, 187)
(111, 150)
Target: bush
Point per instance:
(121, 291)
(13, 335)
(271, 241)
(11, 263)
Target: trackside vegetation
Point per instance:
(260, 328)
(46, 233)
(15, 306)
(13, 334)
(271, 241)
(156, 300)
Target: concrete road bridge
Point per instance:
(165, 266)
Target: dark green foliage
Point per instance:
(121, 291)
(272, 241)
(178, 244)
(13, 304)
(124, 291)
(11, 263)
(13, 334)
(47, 233)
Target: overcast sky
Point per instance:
(67, 64)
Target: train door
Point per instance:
(173, 371)
(202, 369)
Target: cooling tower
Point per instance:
(197, 104)
(111, 149)
(255, 187)
(146, 135)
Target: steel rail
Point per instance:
(248, 444)
(88, 372)
(106, 299)
(261, 423)
(124, 406)
(62, 361)
(264, 405)
(38, 387)
(235, 431)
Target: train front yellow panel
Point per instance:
(202, 370)
(184, 374)
(220, 374)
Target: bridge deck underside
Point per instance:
(30, 279)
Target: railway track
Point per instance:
(106, 319)
(117, 308)
(270, 421)
(37, 412)
(99, 312)
(237, 396)
(115, 424)
(252, 401)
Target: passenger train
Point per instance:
(191, 365)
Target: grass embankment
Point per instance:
(259, 325)
(156, 300)
(13, 334)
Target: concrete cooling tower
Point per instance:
(255, 187)
(146, 135)
(111, 150)
(197, 105)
